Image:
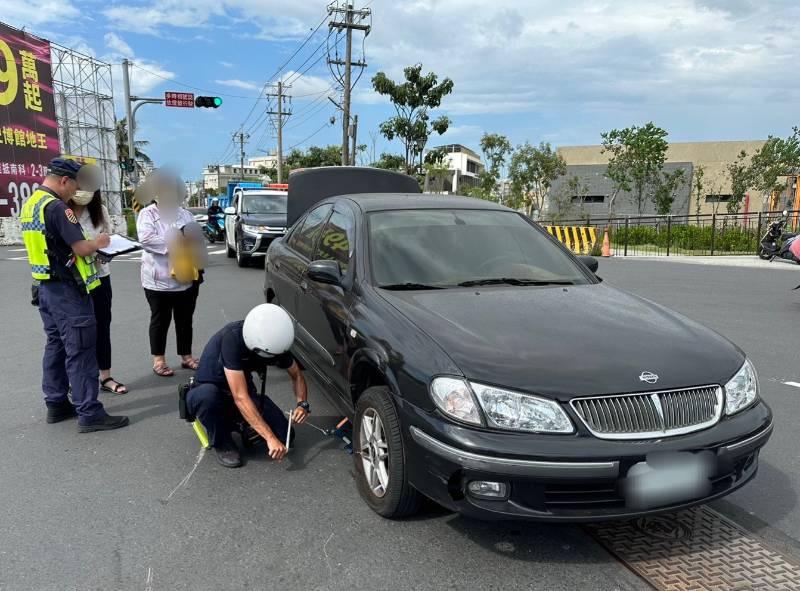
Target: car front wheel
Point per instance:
(241, 259)
(380, 457)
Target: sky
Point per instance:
(561, 72)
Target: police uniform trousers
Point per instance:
(70, 356)
(218, 413)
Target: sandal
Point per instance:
(119, 387)
(163, 370)
(193, 363)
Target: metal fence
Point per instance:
(684, 235)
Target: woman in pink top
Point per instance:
(157, 226)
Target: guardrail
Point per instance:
(679, 235)
(579, 239)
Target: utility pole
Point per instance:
(344, 19)
(241, 137)
(126, 83)
(280, 114)
(355, 136)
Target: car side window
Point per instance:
(235, 203)
(303, 239)
(337, 240)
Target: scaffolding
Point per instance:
(83, 90)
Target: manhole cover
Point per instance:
(697, 550)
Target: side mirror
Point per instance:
(590, 262)
(229, 211)
(785, 213)
(325, 272)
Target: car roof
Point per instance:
(263, 191)
(394, 201)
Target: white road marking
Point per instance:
(18, 258)
(795, 384)
(16, 250)
(216, 251)
(186, 478)
(149, 581)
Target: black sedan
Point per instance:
(486, 367)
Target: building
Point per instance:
(588, 163)
(267, 161)
(217, 176)
(463, 165)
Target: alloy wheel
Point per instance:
(374, 452)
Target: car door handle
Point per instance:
(304, 285)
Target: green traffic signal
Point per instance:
(209, 102)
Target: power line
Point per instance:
(197, 88)
(280, 69)
(297, 124)
(308, 138)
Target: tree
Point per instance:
(573, 190)
(123, 154)
(496, 149)
(665, 190)
(314, 157)
(412, 101)
(637, 157)
(532, 172)
(740, 172)
(698, 187)
(776, 158)
(390, 162)
(436, 172)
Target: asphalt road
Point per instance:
(116, 510)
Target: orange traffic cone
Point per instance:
(606, 244)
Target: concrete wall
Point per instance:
(593, 177)
(712, 156)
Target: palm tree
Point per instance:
(141, 159)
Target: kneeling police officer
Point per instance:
(61, 257)
(224, 390)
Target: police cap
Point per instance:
(64, 167)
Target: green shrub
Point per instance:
(726, 239)
(130, 219)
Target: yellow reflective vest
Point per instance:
(35, 237)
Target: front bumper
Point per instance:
(256, 245)
(569, 478)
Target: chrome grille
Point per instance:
(650, 414)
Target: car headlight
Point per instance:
(522, 412)
(742, 390)
(454, 398)
(250, 229)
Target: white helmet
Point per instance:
(268, 330)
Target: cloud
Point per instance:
(116, 44)
(37, 12)
(225, 64)
(308, 85)
(234, 83)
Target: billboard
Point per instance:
(28, 129)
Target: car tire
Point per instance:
(241, 259)
(383, 485)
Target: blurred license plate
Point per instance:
(669, 478)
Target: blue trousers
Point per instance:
(70, 356)
(218, 413)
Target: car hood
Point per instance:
(265, 219)
(568, 341)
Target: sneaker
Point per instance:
(107, 423)
(60, 411)
(228, 455)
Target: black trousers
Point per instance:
(166, 305)
(101, 297)
(216, 410)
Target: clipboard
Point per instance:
(119, 245)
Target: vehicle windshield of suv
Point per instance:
(430, 249)
(264, 204)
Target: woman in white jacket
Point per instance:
(159, 225)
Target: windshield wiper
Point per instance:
(408, 286)
(512, 281)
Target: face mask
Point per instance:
(83, 197)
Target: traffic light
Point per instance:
(128, 165)
(210, 102)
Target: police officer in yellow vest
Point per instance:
(62, 261)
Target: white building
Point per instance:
(216, 176)
(267, 161)
(464, 164)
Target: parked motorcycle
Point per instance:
(214, 229)
(777, 243)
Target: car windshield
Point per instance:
(425, 249)
(264, 204)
